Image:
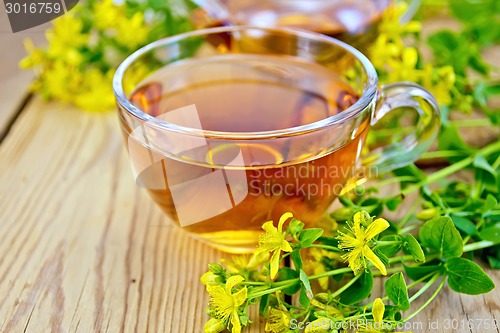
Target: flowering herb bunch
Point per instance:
(320, 280)
(332, 276)
(87, 44)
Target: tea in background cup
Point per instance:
(234, 126)
(353, 21)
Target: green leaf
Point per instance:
(308, 236)
(491, 203)
(372, 206)
(286, 273)
(410, 171)
(450, 139)
(392, 313)
(393, 203)
(359, 290)
(494, 262)
(466, 277)
(464, 224)
(264, 305)
(296, 259)
(396, 290)
(481, 163)
(304, 299)
(470, 10)
(440, 234)
(413, 247)
(342, 214)
(418, 272)
(306, 284)
(244, 319)
(491, 233)
(381, 255)
(390, 250)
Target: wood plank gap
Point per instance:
(15, 116)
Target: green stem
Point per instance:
(425, 287)
(258, 294)
(442, 153)
(326, 247)
(408, 287)
(393, 180)
(253, 283)
(400, 258)
(496, 164)
(409, 214)
(479, 122)
(409, 228)
(391, 270)
(410, 257)
(383, 243)
(478, 245)
(436, 292)
(331, 273)
(417, 282)
(445, 172)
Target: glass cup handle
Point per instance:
(397, 155)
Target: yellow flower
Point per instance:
(384, 50)
(274, 241)
(405, 68)
(391, 22)
(356, 242)
(96, 94)
(132, 32)
(320, 325)
(223, 304)
(66, 33)
(377, 326)
(106, 14)
(316, 265)
(278, 321)
(246, 262)
(332, 311)
(35, 56)
(439, 82)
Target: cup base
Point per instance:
(233, 241)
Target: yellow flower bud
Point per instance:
(342, 214)
(378, 310)
(362, 218)
(211, 279)
(214, 326)
(428, 214)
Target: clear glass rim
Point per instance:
(368, 95)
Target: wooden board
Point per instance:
(14, 82)
(83, 249)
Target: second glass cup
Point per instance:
(230, 127)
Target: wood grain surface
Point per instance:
(83, 249)
(14, 81)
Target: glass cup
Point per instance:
(352, 21)
(230, 127)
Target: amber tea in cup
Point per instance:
(353, 21)
(234, 126)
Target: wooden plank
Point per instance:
(14, 82)
(84, 250)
